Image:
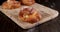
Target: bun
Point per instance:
(11, 5)
(30, 16)
(28, 2)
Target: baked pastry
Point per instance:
(29, 15)
(11, 4)
(28, 2)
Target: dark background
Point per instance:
(7, 25)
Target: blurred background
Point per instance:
(55, 4)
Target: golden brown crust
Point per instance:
(28, 2)
(13, 5)
(29, 16)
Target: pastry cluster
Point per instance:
(29, 15)
(13, 4)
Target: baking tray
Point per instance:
(47, 14)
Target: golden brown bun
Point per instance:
(12, 5)
(29, 16)
(28, 2)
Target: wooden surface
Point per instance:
(7, 25)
